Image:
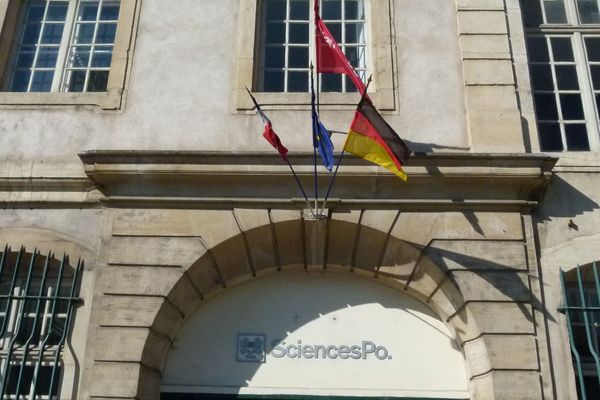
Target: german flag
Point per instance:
(372, 139)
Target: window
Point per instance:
(37, 298)
(287, 40)
(48, 36)
(581, 289)
(563, 43)
(63, 52)
(275, 60)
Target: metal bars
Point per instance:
(37, 299)
(581, 290)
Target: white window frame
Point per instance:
(380, 52)
(118, 81)
(577, 32)
(362, 72)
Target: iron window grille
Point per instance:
(38, 295)
(581, 291)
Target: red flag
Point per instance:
(269, 134)
(330, 58)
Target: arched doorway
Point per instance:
(318, 334)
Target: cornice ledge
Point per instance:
(238, 175)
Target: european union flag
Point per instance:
(321, 139)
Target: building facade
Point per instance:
(158, 247)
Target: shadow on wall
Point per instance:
(563, 200)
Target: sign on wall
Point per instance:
(319, 335)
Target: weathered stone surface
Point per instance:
(503, 352)
(114, 379)
(482, 22)
(138, 345)
(488, 72)
(489, 317)
(154, 251)
(478, 255)
(151, 281)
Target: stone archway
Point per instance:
(292, 243)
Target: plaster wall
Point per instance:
(179, 95)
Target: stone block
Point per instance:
(154, 251)
(478, 255)
(488, 72)
(507, 385)
(289, 236)
(485, 47)
(115, 379)
(482, 22)
(342, 235)
(491, 285)
(493, 99)
(504, 352)
(138, 311)
(496, 131)
(130, 345)
(152, 281)
(480, 5)
(489, 318)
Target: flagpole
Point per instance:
(342, 154)
(299, 184)
(316, 174)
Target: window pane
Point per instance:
(356, 56)
(44, 379)
(275, 57)
(355, 33)
(354, 9)
(297, 81)
(331, 83)
(35, 13)
(336, 31)
(545, 106)
(273, 81)
(13, 378)
(537, 49)
(275, 9)
(52, 33)
(20, 81)
(592, 45)
(595, 71)
(571, 106)
(298, 33)
(47, 58)
(102, 58)
(31, 33)
(331, 9)
(550, 139)
(84, 33)
(275, 32)
(97, 81)
(598, 103)
(25, 60)
(57, 11)
(562, 49)
(76, 81)
(588, 11)
(88, 11)
(42, 81)
(577, 139)
(541, 77)
(532, 12)
(298, 57)
(566, 77)
(106, 33)
(350, 85)
(110, 12)
(555, 11)
(299, 10)
(80, 57)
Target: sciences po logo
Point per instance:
(252, 347)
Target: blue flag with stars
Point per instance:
(321, 139)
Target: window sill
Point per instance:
(383, 99)
(110, 100)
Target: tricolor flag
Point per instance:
(372, 139)
(330, 58)
(269, 134)
(321, 139)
